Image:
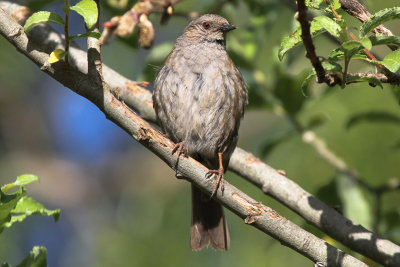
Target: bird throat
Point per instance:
(220, 42)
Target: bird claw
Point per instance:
(220, 180)
(180, 149)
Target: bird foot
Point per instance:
(180, 150)
(220, 180)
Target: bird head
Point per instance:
(207, 28)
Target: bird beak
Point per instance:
(227, 27)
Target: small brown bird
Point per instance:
(199, 97)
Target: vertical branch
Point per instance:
(307, 40)
(66, 30)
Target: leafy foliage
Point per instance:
(16, 207)
(378, 19)
(85, 8)
(349, 46)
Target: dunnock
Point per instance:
(199, 97)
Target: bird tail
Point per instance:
(208, 227)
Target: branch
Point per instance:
(260, 174)
(254, 213)
(322, 76)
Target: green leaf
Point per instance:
(289, 42)
(35, 258)
(56, 56)
(352, 48)
(392, 61)
(88, 10)
(366, 43)
(328, 24)
(320, 5)
(373, 116)
(331, 66)
(370, 80)
(20, 181)
(27, 206)
(338, 54)
(385, 40)
(84, 35)
(349, 45)
(16, 207)
(43, 17)
(379, 18)
(7, 204)
(318, 25)
(355, 204)
(295, 38)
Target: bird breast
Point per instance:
(199, 100)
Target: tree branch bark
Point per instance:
(272, 183)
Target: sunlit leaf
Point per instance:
(27, 206)
(373, 116)
(20, 181)
(289, 42)
(88, 10)
(379, 18)
(16, 207)
(392, 61)
(328, 24)
(56, 55)
(7, 204)
(43, 17)
(318, 25)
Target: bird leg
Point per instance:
(181, 150)
(220, 176)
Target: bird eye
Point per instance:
(206, 25)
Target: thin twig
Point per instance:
(66, 32)
(307, 40)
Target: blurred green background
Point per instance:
(121, 205)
